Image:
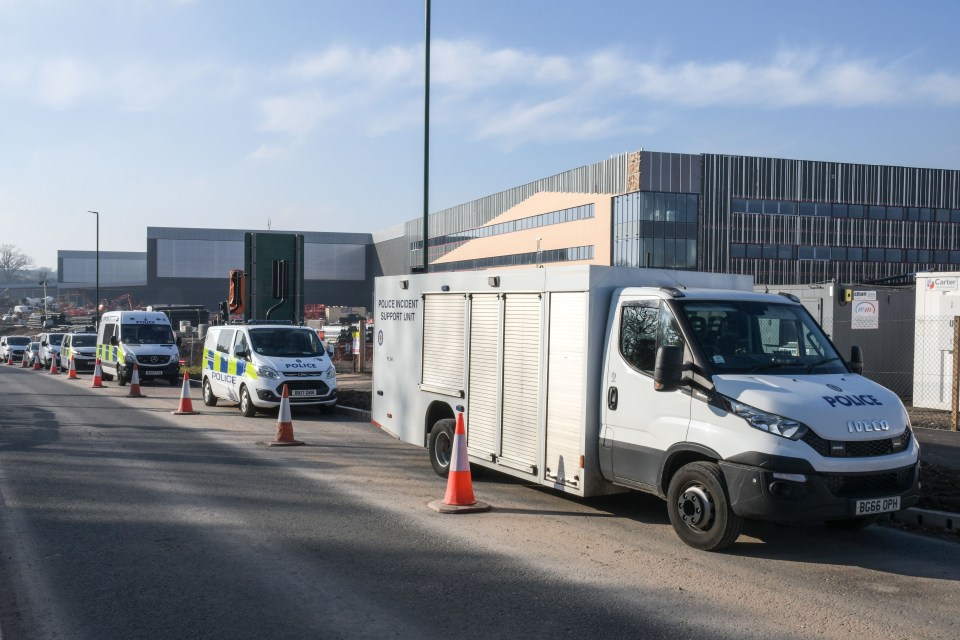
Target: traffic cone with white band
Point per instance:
(54, 369)
(25, 361)
(72, 371)
(186, 405)
(97, 376)
(10, 358)
(459, 497)
(135, 384)
(284, 424)
(36, 361)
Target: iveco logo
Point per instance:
(859, 426)
(834, 387)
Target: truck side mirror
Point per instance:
(856, 359)
(668, 369)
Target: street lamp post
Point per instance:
(96, 302)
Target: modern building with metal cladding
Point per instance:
(781, 221)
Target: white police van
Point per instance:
(249, 364)
(144, 338)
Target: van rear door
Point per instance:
(640, 423)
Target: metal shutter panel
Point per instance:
(484, 375)
(443, 351)
(521, 379)
(565, 386)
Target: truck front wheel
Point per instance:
(208, 398)
(440, 445)
(699, 508)
(247, 407)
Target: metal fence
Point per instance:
(933, 392)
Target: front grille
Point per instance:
(302, 374)
(870, 484)
(153, 360)
(857, 448)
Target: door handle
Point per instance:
(612, 397)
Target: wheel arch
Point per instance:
(438, 410)
(680, 455)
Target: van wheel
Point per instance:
(106, 377)
(699, 508)
(440, 445)
(246, 404)
(208, 398)
(121, 379)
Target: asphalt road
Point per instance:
(119, 520)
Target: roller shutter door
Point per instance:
(484, 374)
(521, 380)
(443, 350)
(565, 387)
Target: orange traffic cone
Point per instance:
(25, 361)
(186, 406)
(459, 497)
(36, 361)
(54, 369)
(135, 384)
(97, 375)
(10, 358)
(72, 371)
(284, 424)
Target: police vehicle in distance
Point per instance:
(49, 348)
(82, 348)
(144, 338)
(249, 364)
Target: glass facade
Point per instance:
(655, 229)
(122, 271)
(550, 256)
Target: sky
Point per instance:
(308, 115)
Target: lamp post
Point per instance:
(96, 301)
(44, 284)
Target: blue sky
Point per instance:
(230, 113)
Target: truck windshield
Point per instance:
(146, 334)
(753, 337)
(85, 340)
(20, 341)
(286, 342)
(55, 339)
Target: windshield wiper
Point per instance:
(776, 364)
(821, 362)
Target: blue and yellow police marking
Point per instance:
(218, 362)
(110, 353)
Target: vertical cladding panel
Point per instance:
(484, 375)
(521, 378)
(565, 386)
(443, 350)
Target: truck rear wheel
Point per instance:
(699, 508)
(121, 379)
(440, 445)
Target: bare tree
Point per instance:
(12, 261)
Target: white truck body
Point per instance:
(536, 361)
(141, 338)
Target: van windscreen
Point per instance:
(286, 342)
(146, 334)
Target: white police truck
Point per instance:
(142, 338)
(729, 404)
(249, 364)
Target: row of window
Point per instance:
(851, 254)
(832, 210)
(569, 254)
(583, 212)
(656, 206)
(655, 253)
(645, 229)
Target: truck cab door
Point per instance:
(639, 423)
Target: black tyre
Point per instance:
(850, 524)
(699, 507)
(440, 445)
(247, 407)
(208, 398)
(106, 377)
(121, 379)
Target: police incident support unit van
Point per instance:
(142, 338)
(250, 364)
(729, 404)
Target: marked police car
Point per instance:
(249, 364)
(82, 347)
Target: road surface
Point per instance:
(120, 520)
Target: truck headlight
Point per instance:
(129, 358)
(769, 422)
(330, 373)
(268, 372)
